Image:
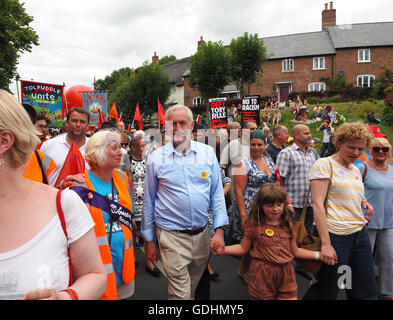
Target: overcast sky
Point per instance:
(80, 39)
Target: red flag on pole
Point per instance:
(73, 164)
(198, 119)
(161, 113)
(138, 117)
(113, 112)
(101, 118)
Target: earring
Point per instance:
(1, 160)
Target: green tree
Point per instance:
(247, 55)
(210, 69)
(149, 83)
(111, 82)
(16, 37)
(167, 59)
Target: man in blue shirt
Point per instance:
(182, 182)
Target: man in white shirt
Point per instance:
(58, 148)
(237, 149)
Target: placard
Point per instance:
(218, 112)
(250, 108)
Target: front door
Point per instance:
(284, 91)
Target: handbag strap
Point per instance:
(64, 227)
(44, 178)
(303, 215)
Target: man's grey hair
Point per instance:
(277, 130)
(180, 107)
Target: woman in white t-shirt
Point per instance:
(34, 262)
(345, 243)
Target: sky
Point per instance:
(83, 39)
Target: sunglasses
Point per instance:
(384, 149)
(124, 144)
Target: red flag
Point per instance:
(113, 112)
(101, 118)
(161, 113)
(121, 116)
(138, 117)
(198, 119)
(73, 164)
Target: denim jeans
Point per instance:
(354, 266)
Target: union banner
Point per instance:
(94, 102)
(45, 98)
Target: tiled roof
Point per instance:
(326, 42)
(298, 45)
(362, 35)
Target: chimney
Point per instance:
(154, 59)
(328, 17)
(201, 42)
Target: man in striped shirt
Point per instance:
(294, 164)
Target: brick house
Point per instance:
(358, 52)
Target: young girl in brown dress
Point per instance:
(270, 241)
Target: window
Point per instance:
(319, 63)
(365, 80)
(287, 65)
(197, 101)
(174, 88)
(364, 55)
(317, 86)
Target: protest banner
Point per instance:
(218, 112)
(45, 98)
(94, 102)
(250, 108)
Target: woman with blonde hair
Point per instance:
(377, 177)
(106, 189)
(34, 263)
(341, 224)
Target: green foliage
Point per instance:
(337, 83)
(387, 116)
(247, 54)
(210, 69)
(111, 82)
(167, 59)
(16, 37)
(381, 83)
(149, 83)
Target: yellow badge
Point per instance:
(391, 178)
(269, 232)
(203, 174)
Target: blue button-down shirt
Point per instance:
(180, 188)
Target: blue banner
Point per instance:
(93, 101)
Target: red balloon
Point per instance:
(74, 95)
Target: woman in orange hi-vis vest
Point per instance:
(103, 154)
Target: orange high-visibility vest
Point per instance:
(33, 170)
(128, 272)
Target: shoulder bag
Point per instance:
(304, 239)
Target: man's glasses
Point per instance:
(124, 144)
(42, 126)
(384, 149)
